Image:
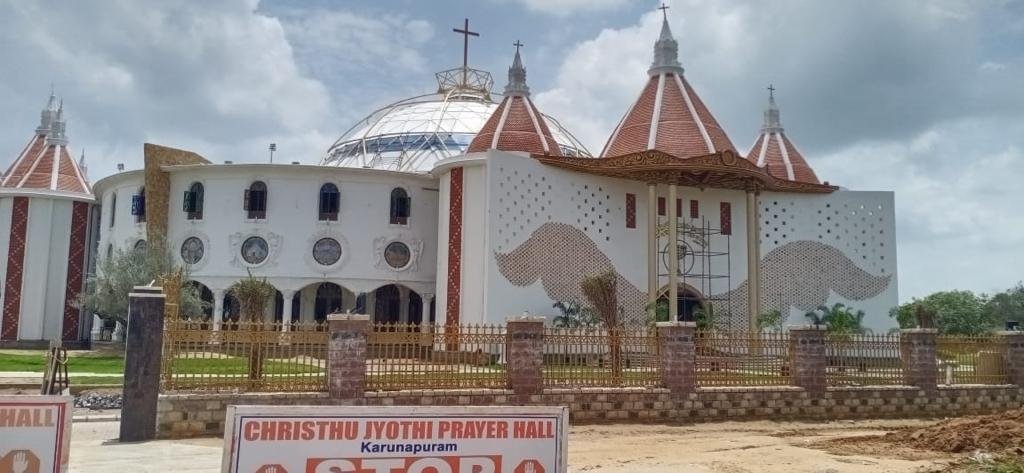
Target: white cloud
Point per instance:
(564, 7)
(215, 76)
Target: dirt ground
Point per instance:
(731, 447)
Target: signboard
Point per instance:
(339, 439)
(35, 434)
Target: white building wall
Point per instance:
(475, 256)
(46, 256)
(441, 284)
(57, 268)
(125, 231)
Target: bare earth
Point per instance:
(731, 447)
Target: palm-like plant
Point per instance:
(573, 315)
(838, 319)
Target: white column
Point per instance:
(652, 245)
(118, 335)
(673, 255)
(403, 305)
(753, 263)
(425, 309)
(218, 309)
(97, 328)
(286, 312)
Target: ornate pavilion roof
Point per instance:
(45, 164)
(774, 152)
(517, 124)
(668, 116)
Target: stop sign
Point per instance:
(271, 469)
(529, 466)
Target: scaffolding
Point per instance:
(705, 272)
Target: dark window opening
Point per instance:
(400, 206)
(193, 202)
(113, 208)
(330, 202)
(255, 201)
(139, 206)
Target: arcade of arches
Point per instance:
(388, 304)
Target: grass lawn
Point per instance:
(115, 365)
(81, 364)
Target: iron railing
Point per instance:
(863, 360)
(592, 357)
(742, 359)
(402, 357)
(979, 359)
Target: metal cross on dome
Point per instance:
(771, 91)
(466, 33)
(517, 44)
(664, 10)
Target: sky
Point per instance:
(921, 97)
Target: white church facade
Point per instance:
(466, 207)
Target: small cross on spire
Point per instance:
(771, 91)
(664, 11)
(517, 44)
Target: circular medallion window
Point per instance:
(141, 245)
(255, 250)
(397, 254)
(192, 250)
(327, 251)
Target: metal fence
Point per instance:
(977, 359)
(592, 357)
(424, 357)
(244, 356)
(863, 360)
(742, 359)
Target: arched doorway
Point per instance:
(203, 313)
(328, 301)
(689, 302)
(396, 304)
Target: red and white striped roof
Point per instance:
(774, 152)
(668, 116)
(517, 124)
(45, 165)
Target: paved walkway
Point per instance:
(95, 450)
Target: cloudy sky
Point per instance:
(925, 98)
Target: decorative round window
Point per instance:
(141, 245)
(192, 250)
(255, 250)
(397, 254)
(327, 251)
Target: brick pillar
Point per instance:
(525, 354)
(807, 355)
(1014, 357)
(678, 356)
(346, 355)
(142, 356)
(918, 354)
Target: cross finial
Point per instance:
(664, 11)
(771, 91)
(466, 33)
(517, 44)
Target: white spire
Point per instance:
(48, 115)
(772, 124)
(666, 52)
(82, 166)
(517, 76)
(57, 128)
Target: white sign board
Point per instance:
(340, 439)
(35, 433)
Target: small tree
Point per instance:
(954, 312)
(573, 315)
(253, 294)
(838, 320)
(771, 320)
(657, 311)
(106, 291)
(601, 291)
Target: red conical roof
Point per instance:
(45, 164)
(774, 152)
(668, 115)
(516, 125)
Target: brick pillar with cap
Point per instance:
(677, 354)
(1014, 356)
(346, 355)
(525, 354)
(807, 355)
(918, 354)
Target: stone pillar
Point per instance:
(1014, 356)
(286, 310)
(652, 245)
(673, 255)
(425, 311)
(218, 309)
(142, 364)
(753, 263)
(918, 354)
(678, 356)
(807, 357)
(97, 328)
(118, 335)
(403, 305)
(346, 355)
(525, 354)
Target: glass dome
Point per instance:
(412, 135)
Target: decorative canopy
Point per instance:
(668, 116)
(45, 164)
(774, 152)
(516, 125)
(721, 170)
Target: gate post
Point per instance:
(678, 356)
(918, 350)
(525, 353)
(346, 355)
(807, 350)
(143, 344)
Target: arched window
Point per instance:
(400, 204)
(255, 201)
(110, 250)
(330, 201)
(193, 202)
(113, 207)
(139, 205)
